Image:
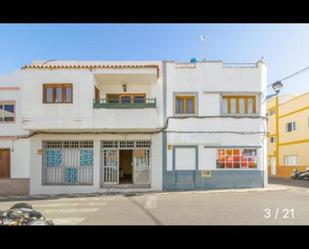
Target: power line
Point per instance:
(298, 72)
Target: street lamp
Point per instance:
(277, 86)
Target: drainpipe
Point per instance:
(277, 132)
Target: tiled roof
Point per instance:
(88, 66)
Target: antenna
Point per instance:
(203, 39)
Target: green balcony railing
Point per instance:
(112, 104)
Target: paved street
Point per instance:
(280, 204)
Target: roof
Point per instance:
(90, 66)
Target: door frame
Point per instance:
(9, 170)
(273, 167)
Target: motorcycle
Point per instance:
(300, 175)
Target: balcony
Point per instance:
(111, 104)
(127, 115)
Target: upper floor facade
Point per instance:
(10, 106)
(92, 96)
(140, 96)
(215, 96)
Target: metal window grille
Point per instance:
(109, 144)
(67, 163)
(143, 144)
(110, 161)
(126, 144)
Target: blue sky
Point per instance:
(285, 47)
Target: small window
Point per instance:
(291, 160)
(185, 105)
(140, 99)
(7, 112)
(291, 126)
(239, 104)
(272, 139)
(271, 112)
(57, 93)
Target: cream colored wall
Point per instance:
(289, 105)
(301, 150)
(302, 128)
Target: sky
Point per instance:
(285, 47)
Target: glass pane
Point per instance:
(189, 105)
(58, 94)
(250, 105)
(126, 99)
(139, 99)
(179, 105)
(225, 106)
(49, 95)
(1, 113)
(8, 113)
(241, 105)
(233, 105)
(68, 94)
(113, 99)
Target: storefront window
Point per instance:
(236, 158)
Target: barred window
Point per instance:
(67, 162)
(236, 158)
(109, 144)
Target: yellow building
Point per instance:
(288, 134)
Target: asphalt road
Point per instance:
(289, 206)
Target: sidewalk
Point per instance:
(270, 187)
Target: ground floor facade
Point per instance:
(213, 161)
(291, 155)
(93, 163)
(14, 166)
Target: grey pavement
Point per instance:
(274, 205)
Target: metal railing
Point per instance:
(114, 104)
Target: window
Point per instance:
(67, 162)
(239, 104)
(185, 105)
(57, 93)
(271, 112)
(185, 158)
(126, 98)
(236, 158)
(7, 112)
(272, 139)
(291, 126)
(291, 160)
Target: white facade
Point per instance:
(182, 145)
(82, 121)
(209, 129)
(10, 139)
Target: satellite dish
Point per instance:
(203, 37)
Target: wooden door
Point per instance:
(4, 163)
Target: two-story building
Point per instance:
(140, 126)
(288, 139)
(216, 130)
(14, 148)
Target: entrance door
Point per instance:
(141, 167)
(4, 163)
(110, 166)
(125, 167)
(273, 165)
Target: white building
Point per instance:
(14, 149)
(136, 126)
(216, 130)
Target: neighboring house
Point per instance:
(216, 126)
(141, 126)
(288, 139)
(14, 150)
